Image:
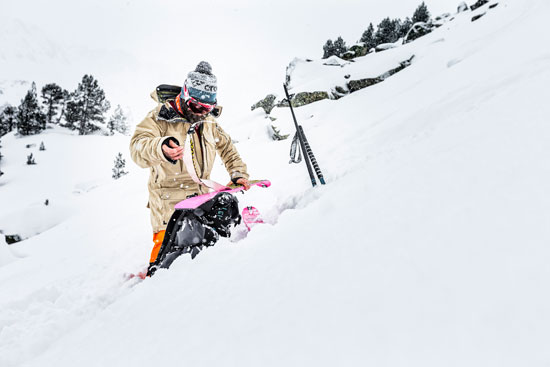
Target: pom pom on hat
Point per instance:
(204, 68)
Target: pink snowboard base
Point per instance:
(196, 201)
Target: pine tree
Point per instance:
(396, 34)
(3, 125)
(73, 112)
(421, 14)
(339, 47)
(405, 26)
(30, 119)
(117, 122)
(52, 98)
(66, 98)
(120, 164)
(8, 120)
(368, 37)
(86, 106)
(328, 49)
(387, 32)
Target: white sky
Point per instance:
(131, 46)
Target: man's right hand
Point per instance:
(173, 151)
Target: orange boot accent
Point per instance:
(157, 239)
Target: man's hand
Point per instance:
(242, 181)
(174, 151)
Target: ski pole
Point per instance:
(300, 138)
(312, 158)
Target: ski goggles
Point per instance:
(195, 105)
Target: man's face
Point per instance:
(194, 116)
(198, 109)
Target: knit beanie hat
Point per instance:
(201, 84)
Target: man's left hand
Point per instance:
(242, 181)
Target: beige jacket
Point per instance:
(170, 183)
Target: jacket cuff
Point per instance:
(165, 141)
(236, 175)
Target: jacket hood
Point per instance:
(155, 96)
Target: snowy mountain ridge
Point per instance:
(427, 246)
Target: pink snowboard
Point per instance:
(196, 201)
(251, 216)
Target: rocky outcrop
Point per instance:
(276, 135)
(334, 61)
(348, 55)
(339, 91)
(442, 19)
(476, 17)
(418, 30)
(478, 4)
(355, 85)
(462, 7)
(13, 238)
(357, 50)
(303, 98)
(384, 47)
(268, 103)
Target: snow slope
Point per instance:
(428, 246)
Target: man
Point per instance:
(159, 140)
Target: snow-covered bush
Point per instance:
(118, 169)
(30, 159)
(118, 122)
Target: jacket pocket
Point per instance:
(169, 198)
(175, 183)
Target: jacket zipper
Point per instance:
(204, 160)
